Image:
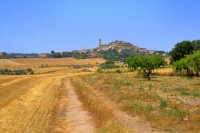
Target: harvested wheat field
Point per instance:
(64, 99)
(56, 61)
(39, 102)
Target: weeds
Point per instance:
(190, 93)
(127, 83)
(163, 103)
(118, 71)
(150, 86)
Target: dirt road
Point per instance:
(71, 117)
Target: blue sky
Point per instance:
(35, 26)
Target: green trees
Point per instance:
(52, 52)
(145, 64)
(114, 55)
(196, 44)
(180, 65)
(190, 64)
(180, 50)
(184, 48)
(185, 57)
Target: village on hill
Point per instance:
(117, 46)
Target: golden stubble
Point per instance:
(32, 110)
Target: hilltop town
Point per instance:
(117, 46)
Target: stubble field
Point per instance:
(40, 102)
(28, 102)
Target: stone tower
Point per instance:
(99, 42)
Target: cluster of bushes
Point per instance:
(17, 72)
(110, 64)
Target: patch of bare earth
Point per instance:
(136, 124)
(71, 117)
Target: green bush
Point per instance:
(118, 71)
(17, 72)
(110, 64)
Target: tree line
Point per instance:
(185, 59)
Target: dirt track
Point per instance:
(70, 116)
(79, 118)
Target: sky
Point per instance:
(39, 26)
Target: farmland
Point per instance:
(109, 101)
(30, 103)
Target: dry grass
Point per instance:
(162, 101)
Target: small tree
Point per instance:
(145, 64)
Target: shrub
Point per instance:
(29, 70)
(118, 71)
(110, 64)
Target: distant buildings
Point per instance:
(3, 54)
(151, 51)
(44, 55)
(65, 53)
